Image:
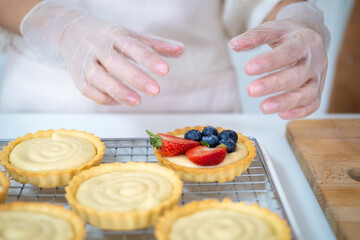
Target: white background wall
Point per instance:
(335, 12)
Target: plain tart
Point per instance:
(212, 219)
(4, 186)
(51, 158)
(40, 221)
(124, 196)
(234, 164)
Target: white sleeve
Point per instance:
(5, 39)
(241, 15)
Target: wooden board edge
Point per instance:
(312, 183)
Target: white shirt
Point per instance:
(201, 80)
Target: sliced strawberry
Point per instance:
(169, 145)
(205, 156)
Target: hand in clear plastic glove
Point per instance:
(296, 65)
(104, 59)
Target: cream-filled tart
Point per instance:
(51, 158)
(234, 164)
(4, 186)
(40, 221)
(212, 219)
(123, 196)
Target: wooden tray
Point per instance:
(328, 152)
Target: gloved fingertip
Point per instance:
(114, 102)
(132, 99)
(169, 49)
(288, 115)
(161, 68)
(152, 89)
(179, 44)
(255, 90)
(179, 51)
(269, 107)
(233, 44)
(240, 46)
(176, 50)
(251, 69)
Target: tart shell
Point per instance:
(5, 184)
(220, 174)
(49, 179)
(75, 221)
(164, 225)
(130, 220)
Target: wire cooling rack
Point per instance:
(253, 186)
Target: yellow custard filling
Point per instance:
(26, 225)
(240, 153)
(124, 191)
(221, 224)
(58, 152)
(1, 187)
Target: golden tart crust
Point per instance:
(4, 186)
(50, 178)
(221, 174)
(127, 219)
(49, 211)
(168, 224)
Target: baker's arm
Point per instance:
(13, 11)
(272, 15)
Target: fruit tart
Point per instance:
(211, 219)
(40, 221)
(123, 196)
(51, 158)
(4, 186)
(204, 154)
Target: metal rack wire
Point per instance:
(253, 186)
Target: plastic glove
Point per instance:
(297, 62)
(104, 59)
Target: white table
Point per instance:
(269, 130)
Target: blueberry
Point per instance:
(194, 135)
(228, 134)
(231, 145)
(210, 130)
(212, 140)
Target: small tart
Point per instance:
(51, 158)
(4, 186)
(234, 164)
(123, 196)
(41, 221)
(211, 219)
